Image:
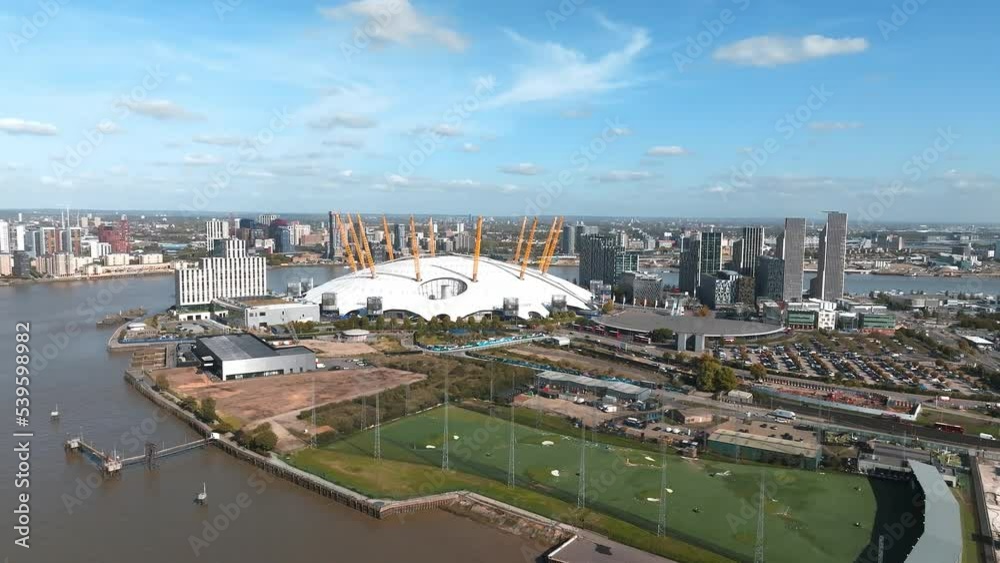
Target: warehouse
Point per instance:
(582, 385)
(240, 356)
(766, 449)
(264, 312)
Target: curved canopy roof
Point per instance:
(447, 288)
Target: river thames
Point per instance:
(150, 516)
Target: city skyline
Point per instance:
(154, 111)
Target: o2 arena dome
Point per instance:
(446, 289)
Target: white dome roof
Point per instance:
(447, 288)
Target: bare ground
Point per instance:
(330, 349)
(280, 398)
(590, 415)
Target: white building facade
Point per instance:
(234, 274)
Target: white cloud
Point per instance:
(835, 125)
(667, 150)
(109, 127)
(770, 50)
(470, 147)
(201, 159)
(118, 170)
(159, 109)
(52, 181)
(397, 180)
(621, 176)
(345, 143)
(396, 21)
(18, 126)
(522, 169)
(350, 121)
(577, 113)
(560, 71)
(218, 140)
(258, 174)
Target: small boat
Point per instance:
(55, 414)
(202, 496)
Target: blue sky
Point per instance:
(739, 108)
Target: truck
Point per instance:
(609, 408)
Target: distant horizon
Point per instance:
(208, 214)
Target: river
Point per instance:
(150, 516)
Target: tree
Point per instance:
(207, 410)
(608, 307)
(162, 383)
(705, 381)
(703, 311)
(725, 379)
(189, 404)
(758, 371)
(661, 335)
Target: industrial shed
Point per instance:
(240, 356)
(580, 384)
(765, 449)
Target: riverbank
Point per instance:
(467, 504)
(95, 277)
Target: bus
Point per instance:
(952, 428)
(783, 415)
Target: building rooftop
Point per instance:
(617, 386)
(580, 549)
(778, 445)
(644, 321)
(231, 347)
(895, 456)
(941, 541)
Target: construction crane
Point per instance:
(547, 262)
(479, 244)
(431, 242)
(527, 251)
(414, 247)
(548, 244)
(368, 249)
(388, 241)
(347, 244)
(520, 241)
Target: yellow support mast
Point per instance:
(368, 249)
(355, 230)
(527, 251)
(548, 244)
(415, 247)
(431, 240)
(388, 239)
(520, 241)
(479, 243)
(346, 242)
(552, 249)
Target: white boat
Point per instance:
(55, 413)
(203, 495)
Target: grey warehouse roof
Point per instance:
(616, 386)
(232, 347)
(941, 541)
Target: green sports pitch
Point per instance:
(809, 516)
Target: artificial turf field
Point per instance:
(809, 516)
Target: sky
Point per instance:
(724, 108)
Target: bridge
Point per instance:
(113, 463)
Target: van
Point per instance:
(986, 437)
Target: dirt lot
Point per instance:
(590, 415)
(254, 400)
(329, 349)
